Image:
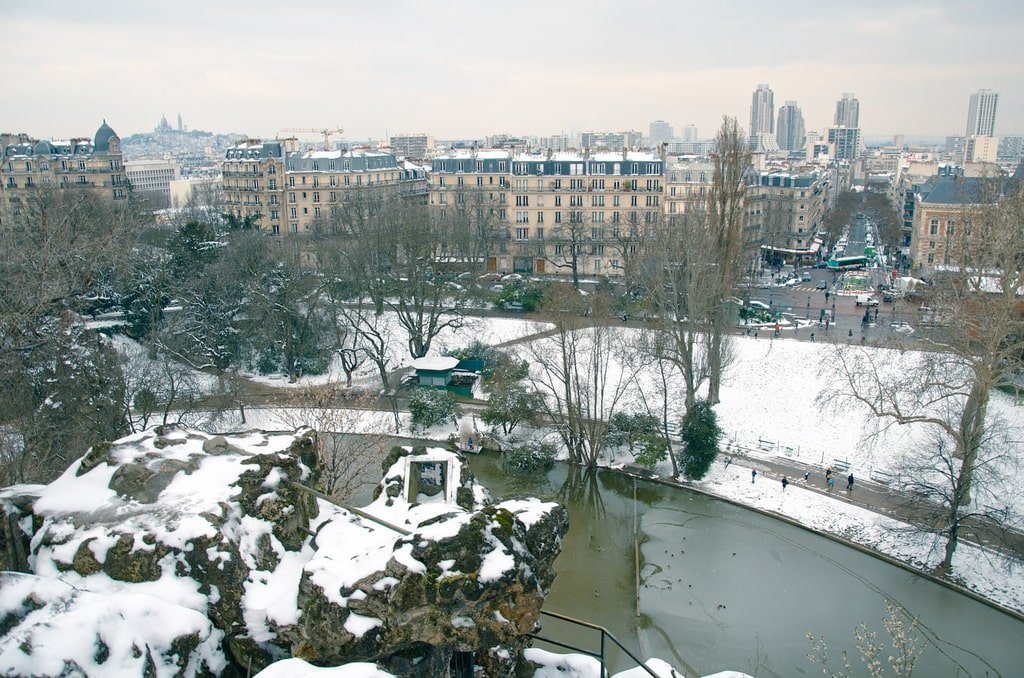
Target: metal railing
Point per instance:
(599, 655)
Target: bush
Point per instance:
(510, 406)
(529, 457)
(700, 434)
(642, 433)
(430, 407)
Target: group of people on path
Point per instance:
(830, 479)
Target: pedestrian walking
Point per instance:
(753, 474)
(807, 476)
(831, 482)
(826, 324)
(849, 483)
(812, 337)
(785, 482)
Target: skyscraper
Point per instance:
(848, 111)
(661, 132)
(791, 133)
(762, 119)
(981, 113)
(690, 133)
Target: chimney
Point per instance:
(625, 153)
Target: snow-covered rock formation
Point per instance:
(175, 552)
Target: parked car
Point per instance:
(806, 277)
(821, 285)
(887, 297)
(792, 281)
(760, 305)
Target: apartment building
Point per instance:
(941, 224)
(29, 164)
(562, 210)
(279, 189)
(786, 211)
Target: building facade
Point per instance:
(152, 177)
(844, 143)
(412, 146)
(28, 165)
(942, 207)
(561, 210)
(981, 113)
(281, 190)
(785, 212)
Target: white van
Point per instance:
(866, 300)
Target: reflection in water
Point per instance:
(580, 489)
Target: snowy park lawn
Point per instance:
(487, 330)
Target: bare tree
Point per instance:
(730, 239)
(583, 372)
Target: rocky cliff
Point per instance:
(175, 552)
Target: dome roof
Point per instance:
(101, 143)
(44, 148)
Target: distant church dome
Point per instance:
(44, 148)
(101, 143)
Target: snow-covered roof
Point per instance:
(436, 363)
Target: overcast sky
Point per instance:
(472, 68)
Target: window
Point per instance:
(522, 233)
(540, 220)
(275, 214)
(291, 181)
(316, 196)
(558, 200)
(292, 213)
(558, 217)
(316, 211)
(540, 231)
(291, 198)
(597, 201)
(931, 258)
(540, 201)
(522, 201)
(442, 199)
(633, 200)
(950, 227)
(272, 184)
(440, 181)
(931, 245)
(934, 227)
(615, 200)
(522, 217)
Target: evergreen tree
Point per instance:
(700, 433)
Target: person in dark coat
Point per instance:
(849, 483)
(785, 482)
(753, 475)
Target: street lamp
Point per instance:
(808, 316)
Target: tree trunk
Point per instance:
(972, 431)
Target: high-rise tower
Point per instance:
(981, 113)
(791, 134)
(762, 119)
(848, 111)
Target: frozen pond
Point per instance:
(723, 587)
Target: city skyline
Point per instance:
(461, 70)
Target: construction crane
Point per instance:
(325, 132)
